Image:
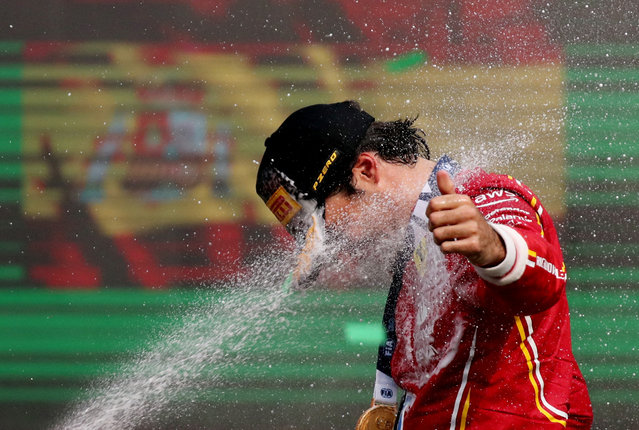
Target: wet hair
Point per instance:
(394, 141)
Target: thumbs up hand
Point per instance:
(445, 183)
(459, 227)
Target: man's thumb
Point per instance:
(445, 183)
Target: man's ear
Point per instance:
(366, 171)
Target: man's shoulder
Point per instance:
(477, 182)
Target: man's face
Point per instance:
(363, 234)
(365, 229)
(362, 216)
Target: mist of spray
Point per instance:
(211, 337)
(220, 333)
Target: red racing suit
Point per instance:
(493, 351)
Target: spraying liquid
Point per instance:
(212, 337)
(218, 335)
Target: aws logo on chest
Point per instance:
(495, 194)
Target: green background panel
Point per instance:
(53, 345)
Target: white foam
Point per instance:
(209, 338)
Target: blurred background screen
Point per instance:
(130, 133)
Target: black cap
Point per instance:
(308, 156)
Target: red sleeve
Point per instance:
(532, 277)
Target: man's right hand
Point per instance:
(459, 227)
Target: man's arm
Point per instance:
(502, 235)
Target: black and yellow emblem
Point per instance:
(327, 166)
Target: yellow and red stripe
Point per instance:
(529, 350)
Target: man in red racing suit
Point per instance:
(477, 322)
(497, 353)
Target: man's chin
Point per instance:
(355, 261)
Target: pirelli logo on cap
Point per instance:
(327, 165)
(283, 205)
